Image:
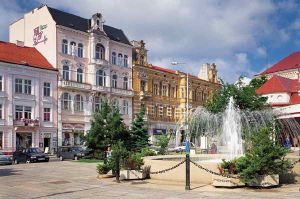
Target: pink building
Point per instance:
(28, 98)
(94, 62)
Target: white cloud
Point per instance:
(261, 51)
(194, 31)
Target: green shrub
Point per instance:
(103, 168)
(134, 162)
(266, 157)
(227, 167)
(147, 152)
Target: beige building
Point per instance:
(163, 91)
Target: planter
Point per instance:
(220, 181)
(132, 175)
(266, 181)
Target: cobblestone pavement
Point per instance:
(70, 179)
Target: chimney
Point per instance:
(20, 43)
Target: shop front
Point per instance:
(72, 135)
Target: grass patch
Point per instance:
(90, 161)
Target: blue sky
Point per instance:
(242, 37)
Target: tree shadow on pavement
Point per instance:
(8, 172)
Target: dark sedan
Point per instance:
(30, 155)
(5, 158)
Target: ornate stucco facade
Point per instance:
(163, 91)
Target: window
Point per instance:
(1, 83)
(120, 59)
(172, 92)
(66, 101)
(47, 89)
(22, 112)
(143, 85)
(114, 58)
(164, 90)
(64, 46)
(47, 113)
(99, 52)
(115, 104)
(78, 106)
(101, 78)
(114, 81)
(66, 73)
(164, 112)
(125, 83)
(1, 112)
(125, 61)
(79, 75)
(80, 50)
(23, 86)
(182, 93)
(125, 107)
(1, 140)
(97, 103)
(155, 89)
(73, 48)
(142, 60)
(156, 111)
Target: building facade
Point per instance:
(28, 99)
(163, 91)
(94, 62)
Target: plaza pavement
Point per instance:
(70, 179)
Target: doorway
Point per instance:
(46, 143)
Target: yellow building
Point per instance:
(163, 91)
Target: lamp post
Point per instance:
(187, 134)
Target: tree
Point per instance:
(245, 97)
(162, 142)
(138, 134)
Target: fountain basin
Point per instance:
(220, 181)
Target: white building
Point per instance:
(94, 61)
(28, 99)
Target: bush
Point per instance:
(103, 168)
(162, 142)
(134, 162)
(266, 157)
(227, 167)
(147, 152)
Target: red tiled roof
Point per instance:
(290, 62)
(28, 56)
(279, 84)
(162, 69)
(295, 99)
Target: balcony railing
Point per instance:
(27, 122)
(101, 88)
(101, 61)
(74, 85)
(123, 92)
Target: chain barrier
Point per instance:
(213, 172)
(296, 162)
(169, 169)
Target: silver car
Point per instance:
(5, 158)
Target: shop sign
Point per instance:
(159, 131)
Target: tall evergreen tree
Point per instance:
(138, 133)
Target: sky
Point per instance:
(242, 37)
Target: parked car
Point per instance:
(5, 158)
(182, 147)
(70, 152)
(29, 155)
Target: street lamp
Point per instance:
(187, 134)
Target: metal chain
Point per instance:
(169, 169)
(213, 172)
(294, 163)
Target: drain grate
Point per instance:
(59, 182)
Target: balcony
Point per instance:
(122, 92)
(145, 94)
(102, 62)
(101, 89)
(27, 122)
(74, 85)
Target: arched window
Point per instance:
(125, 61)
(99, 52)
(114, 58)
(115, 104)
(114, 81)
(78, 103)
(97, 103)
(66, 73)
(125, 83)
(101, 78)
(120, 59)
(64, 46)
(80, 50)
(73, 48)
(66, 101)
(79, 75)
(125, 107)
(142, 60)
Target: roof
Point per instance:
(27, 56)
(82, 24)
(279, 84)
(162, 69)
(295, 98)
(290, 62)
